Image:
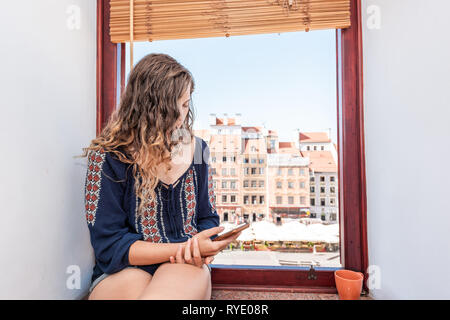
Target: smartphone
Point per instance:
(227, 234)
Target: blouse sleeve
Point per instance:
(107, 220)
(207, 216)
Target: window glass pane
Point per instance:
(268, 94)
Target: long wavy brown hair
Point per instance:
(143, 125)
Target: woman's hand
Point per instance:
(208, 247)
(193, 258)
(203, 247)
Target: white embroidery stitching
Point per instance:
(212, 196)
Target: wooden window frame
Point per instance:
(351, 164)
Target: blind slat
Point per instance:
(175, 19)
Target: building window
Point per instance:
(322, 148)
(261, 199)
(245, 160)
(246, 171)
(302, 171)
(253, 183)
(279, 200)
(254, 200)
(224, 184)
(302, 200)
(213, 159)
(315, 148)
(290, 200)
(261, 183)
(302, 185)
(279, 171)
(245, 183)
(313, 201)
(333, 217)
(332, 179)
(224, 198)
(332, 189)
(322, 189)
(233, 184)
(308, 148)
(312, 179)
(225, 216)
(213, 171)
(253, 170)
(224, 159)
(290, 172)
(261, 170)
(233, 159)
(233, 171)
(332, 202)
(224, 171)
(322, 179)
(253, 160)
(312, 189)
(233, 198)
(290, 185)
(245, 199)
(279, 185)
(322, 202)
(261, 160)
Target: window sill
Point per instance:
(270, 294)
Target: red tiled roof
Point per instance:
(286, 145)
(314, 137)
(320, 161)
(254, 129)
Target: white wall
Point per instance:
(47, 101)
(407, 112)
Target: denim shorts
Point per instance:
(104, 275)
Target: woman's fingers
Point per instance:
(222, 244)
(187, 252)
(196, 253)
(179, 257)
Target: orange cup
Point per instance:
(348, 284)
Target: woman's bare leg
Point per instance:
(179, 281)
(126, 284)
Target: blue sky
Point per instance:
(284, 81)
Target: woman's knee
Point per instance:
(125, 284)
(179, 281)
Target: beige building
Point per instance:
(288, 187)
(257, 177)
(322, 155)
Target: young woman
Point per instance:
(150, 204)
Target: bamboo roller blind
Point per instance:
(149, 20)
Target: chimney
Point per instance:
(237, 120)
(212, 119)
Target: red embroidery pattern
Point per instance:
(148, 223)
(93, 183)
(189, 192)
(212, 196)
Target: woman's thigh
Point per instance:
(123, 285)
(179, 282)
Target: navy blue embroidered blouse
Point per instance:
(177, 213)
